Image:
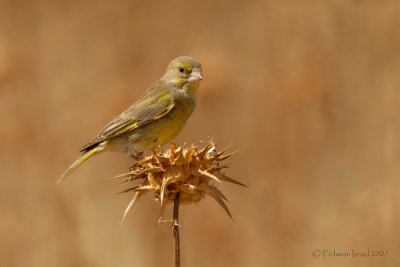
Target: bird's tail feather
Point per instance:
(79, 161)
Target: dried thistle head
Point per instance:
(191, 171)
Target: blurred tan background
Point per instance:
(307, 90)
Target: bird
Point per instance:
(153, 120)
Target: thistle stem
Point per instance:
(175, 230)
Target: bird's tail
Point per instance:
(79, 161)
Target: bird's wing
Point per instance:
(142, 112)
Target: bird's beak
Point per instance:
(195, 76)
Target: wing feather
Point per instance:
(156, 103)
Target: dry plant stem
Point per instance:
(175, 231)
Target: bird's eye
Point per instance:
(181, 69)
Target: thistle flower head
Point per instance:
(191, 171)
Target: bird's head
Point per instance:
(184, 73)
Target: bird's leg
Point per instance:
(137, 155)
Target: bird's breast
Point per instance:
(175, 120)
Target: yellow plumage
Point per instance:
(79, 161)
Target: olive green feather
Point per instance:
(85, 156)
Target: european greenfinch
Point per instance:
(153, 120)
